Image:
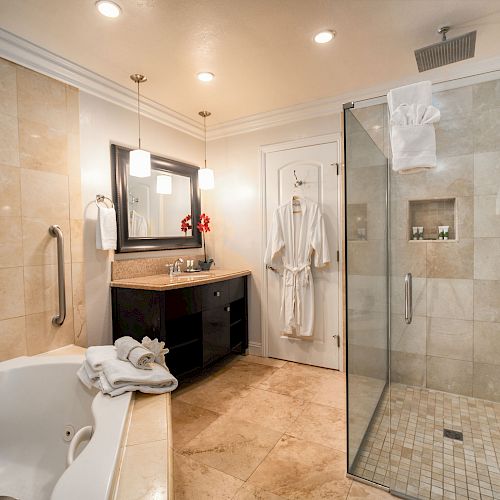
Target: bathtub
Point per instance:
(43, 405)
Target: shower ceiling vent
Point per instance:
(447, 51)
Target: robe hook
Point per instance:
(297, 182)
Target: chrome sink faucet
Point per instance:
(177, 266)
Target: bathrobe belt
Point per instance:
(296, 295)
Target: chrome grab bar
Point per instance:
(56, 232)
(408, 299)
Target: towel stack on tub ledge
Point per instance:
(126, 367)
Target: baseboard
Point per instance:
(255, 348)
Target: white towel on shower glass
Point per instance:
(413, 138)
(105, 229)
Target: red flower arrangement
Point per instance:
(204, 227)
(185, 225)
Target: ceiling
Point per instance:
(261, 51)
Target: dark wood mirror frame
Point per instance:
(119, 161)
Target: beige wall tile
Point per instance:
(465, 217)
(43, 336)
(76, 240)
(11, 293)
(408, 368)
(410, 338)
(450, 260)
(44, 194)
(449, 375)
(42, 148)
(486, 217)
(41, 293)
(486, 342)
(486, 95)
(12, 338)
(408, 257)
(486, 173)
(9, 140)
(8, 88)
(450, 338)
(41, 99)
(367, 257)
(73, 110)
(10, 191)
(75, 198)
(485, 126)
(486, 258)
(487, 300)
(39, 247)
(454, 102)
(73, 150)
(447, 132)
(11, 242)
(79, 310)
(486, 379)
(450, 298)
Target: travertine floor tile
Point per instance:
(188, 421)
(251, 374)
(298, 469)
(233, 446)
(249, 492)
(360, 491)
(195, 481)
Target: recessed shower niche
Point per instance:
(432, 220)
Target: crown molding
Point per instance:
(25, 53)
(34, 57)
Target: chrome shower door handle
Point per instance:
(408, 299)
(56, 232)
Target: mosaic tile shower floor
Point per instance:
(413, 456)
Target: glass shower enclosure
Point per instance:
(423, 302)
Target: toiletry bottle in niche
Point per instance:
(446, 232)
(414, 232)
(420, 232)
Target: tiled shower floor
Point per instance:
(416, 460)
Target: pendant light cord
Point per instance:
(139, 112)
(205, 127)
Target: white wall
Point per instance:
(103, 123)
(235, 203)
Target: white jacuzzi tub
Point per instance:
(39, 398)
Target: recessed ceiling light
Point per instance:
(108, 8)
(205, 76)
(324, 36)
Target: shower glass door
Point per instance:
(367, 283)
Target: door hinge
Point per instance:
(337, 168)
(337, 338)
(338, 256)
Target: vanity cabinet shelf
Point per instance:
(199, 324)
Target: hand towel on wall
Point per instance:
(105, 229)
(413, 138)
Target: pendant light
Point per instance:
(140, 160)
(205, 175)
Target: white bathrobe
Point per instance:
(293, 241)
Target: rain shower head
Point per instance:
(447, 51)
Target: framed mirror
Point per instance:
(150, 209)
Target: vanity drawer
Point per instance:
(215, 294)
(236, 289)
(182, 302)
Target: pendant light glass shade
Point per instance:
(140, 160)
(164, 184)
(206, 178)
(140, 163)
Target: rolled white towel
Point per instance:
(121, 373)
(128, 349)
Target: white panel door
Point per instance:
(317, 166)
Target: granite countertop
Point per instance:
(162, 282)
(145, 466)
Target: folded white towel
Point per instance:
(120, 373)
(128, 349)
(412, 134)
(107, 388)
(95, 355)
(105, 229)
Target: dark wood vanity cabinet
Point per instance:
(199, 324)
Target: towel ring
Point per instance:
(100, 198)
